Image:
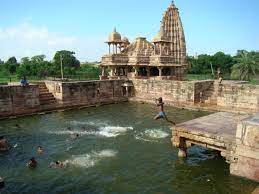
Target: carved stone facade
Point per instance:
(164, 58)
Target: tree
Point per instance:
(69, 62)
(36, 66)
(11, 65)
(200, 65)
(222, 61)
(246, 66)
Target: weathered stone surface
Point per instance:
(15, 99)
(87, 92)
(216, 131)
(245, 159)
(176, 93)
(207, 94)
(256, 191)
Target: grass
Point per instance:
(254, 81)
(199, 77)
(14, 78)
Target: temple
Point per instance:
(163, 58)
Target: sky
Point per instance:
(33, 27)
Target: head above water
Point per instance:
(160, 100)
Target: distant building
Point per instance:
(163, 58)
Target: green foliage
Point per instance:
(246, 66)
(90, 70)
(11, 65)
(36, 66)
(203, 63)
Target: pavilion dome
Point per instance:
(125, 39)
(114, 36)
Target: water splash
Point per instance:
(104, 131)
(90, 159)
(113, 131)
(151, 135)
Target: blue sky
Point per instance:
(31, 27)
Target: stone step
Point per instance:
(47, 98)
(46, 94)
(48, 103)
(44, 91)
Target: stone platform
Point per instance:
(216, 131)
(235, 136)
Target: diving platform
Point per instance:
(235, 136)
(216, 131)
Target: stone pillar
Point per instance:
(182, 153)
(103, 71)
(127, 91)
(160, 71)
(126, 71)
(148, 71)
(136, 71)
(112, 71)
(109, 48)
(245, 159)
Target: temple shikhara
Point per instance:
(163, 58)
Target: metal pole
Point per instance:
(61, 66)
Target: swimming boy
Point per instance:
(40, 150)
(32, 163)
(161, 114)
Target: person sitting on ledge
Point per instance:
(161, 114)
(32, 163)
(4, 144)
(40, 150)
(24, 81)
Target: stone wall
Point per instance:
(15, 100)
(238, 97)
(245, 159)
(86, 92)
(207, 94)
(177, 93)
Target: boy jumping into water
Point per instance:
(161, 114)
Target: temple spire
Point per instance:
(172, 4)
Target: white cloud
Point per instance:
(26, 39)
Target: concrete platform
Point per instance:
(216, 131)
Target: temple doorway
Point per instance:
(154, 71)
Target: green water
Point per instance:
(121, 149)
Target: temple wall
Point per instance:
(177, 93)
(245, 159)
(86, 92)
(15, 100)
(205, 94)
